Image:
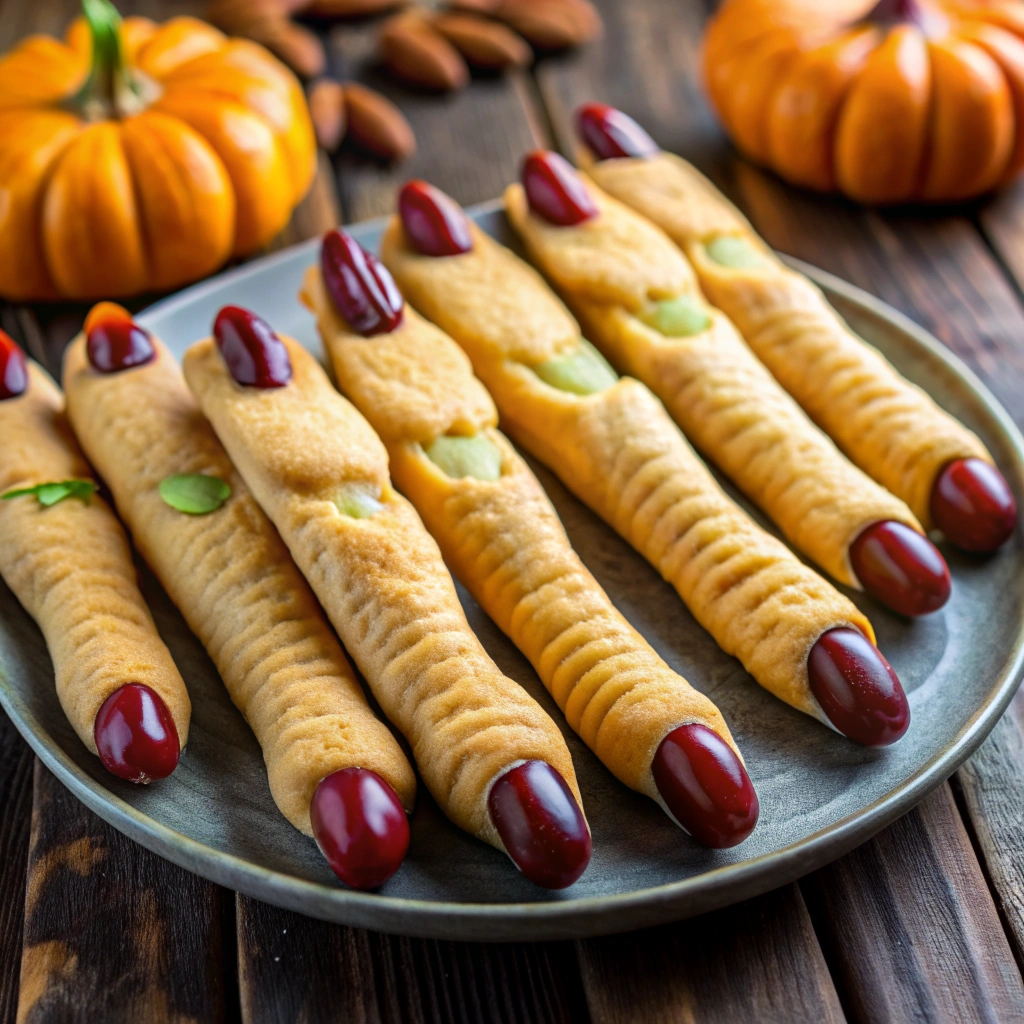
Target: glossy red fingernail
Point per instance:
(541, 824)
(705, 786)
(135, 734)
(609, 133)
(254, 354)
(360, 826)
(433, 221)
(857, 689)
(554, 190)
(13, 369)
(901, 568)
(114, 342)
(972, 504)
(360, 286)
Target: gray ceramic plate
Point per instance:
(820, 794)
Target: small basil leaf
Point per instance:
(735, 253)
(194, 493)
(475, 456)
(50, 493)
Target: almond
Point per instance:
(414, 52)
(377, 124)
(479, 6)
(551, 24)
(346, 8)
(485, 44)
(327, 109)
(298, 47)
(266, 22)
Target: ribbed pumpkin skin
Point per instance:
(919, 100)
(211, 168)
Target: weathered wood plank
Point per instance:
(910, 928)
(365, 978)
(989, 790)
(469, 143)
(15, 815)
(757, 961)
(113, 933)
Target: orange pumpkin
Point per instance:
(137, 157)
(885, 101)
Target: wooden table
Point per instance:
(923, 923)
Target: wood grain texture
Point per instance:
(113, 933)
(909, 928)
(469, 143)
(362, 977)
(988, 789)
(15, 815)
(757, 961)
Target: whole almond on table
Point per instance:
(413, 51)
(327, 109)
(551, 24)
(484, 43)
(267, 23)
(377, 124)
(346, 8)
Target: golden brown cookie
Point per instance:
(70, 566)
(500, 535)
(321, 475)
(233, 580)
(638, 300)
(618, 451)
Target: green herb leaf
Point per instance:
(50, 493)
(678, 317)
(357, 502)
(194, 493)
(583, 372)
(735, 253)
(476, 456)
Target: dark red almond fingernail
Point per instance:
(113, 341)
(609, 133)
(13, 369)
(254, 354)
(433, 221)
(541, 824)
(705, 786)
(360, 286)
(554, 190)
(360, 826)
(972, 504)
(135, 735)
(901, 568)
(857, 689)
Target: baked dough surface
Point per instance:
(71, 568)
(233, 580)
(618, 451)
(886, 425)
(381, 581)
(504, 540)
(716, 389)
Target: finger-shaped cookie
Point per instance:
(886, 425)
(489, 754)
(500, 535)
(638, 300)
(612, 443)
(67, 560)
(225, 567)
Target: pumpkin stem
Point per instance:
(111, 90)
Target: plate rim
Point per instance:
(569, 917)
